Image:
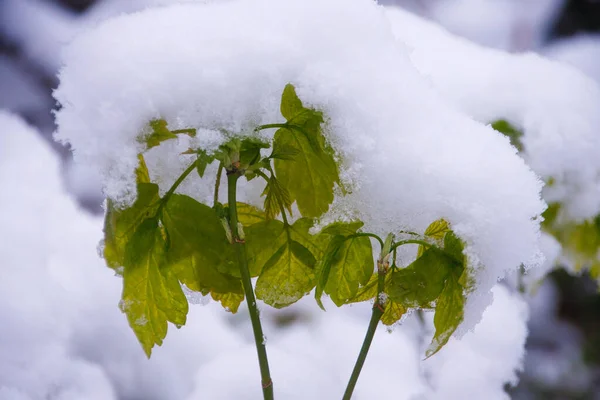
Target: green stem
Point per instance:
(365, 234)
(190, 131)
(412, 241)
(238, 243)
(217, 184)
(175, 185)
(378, 310)
(270, 126)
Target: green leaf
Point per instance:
(350, 267)
(291, 105)
(342, 228)
(291, 254)
(230, 301)
(312, 174)
(120, 224)
(284, 152)
(550, 216)
(454, 247)
(324, 268)
(276, 195)
(449, 313)
(343, 255)
(202, 162)
(152, 294)
(250, 151)
(263, 239)
(392, 313)
(141, 172)
(368, 291)
(249, 215)
(159, 134)
(509, 131)
(581, 242)
(420, 284)
(435, 231)
(198, 246)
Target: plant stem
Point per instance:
(378, 310)
(175, 185)
(190, 131)
(238, 243)
(412, 241)
(365, 234)
(217, 184)
(270, 126)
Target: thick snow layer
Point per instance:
(581, 51)
(409, 158)
(63, 336)
(512, 25)
(555, 105)
(42, 28)
(491, 355)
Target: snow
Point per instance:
(581, 51)
(512, 25)
(63, 336)
(486, 365)
(395, 134)
(554, 104)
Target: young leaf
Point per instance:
(420, 284)
(119, 225)
(159, 134)
(290, 253)
(343, 255)
(230, 301)
(202, 162)
(310, 177)
(350, 267)
(368, 291)
(152, 295)
(324, 267)
(342, 228)
(449, 313)
(141, 172)
(249, 215)
(276, 195)
(284, 152)
(250, 151)
(392, 313)
(198, 247)
(436, 231)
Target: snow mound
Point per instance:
(408, 157)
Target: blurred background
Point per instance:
(563, 348)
